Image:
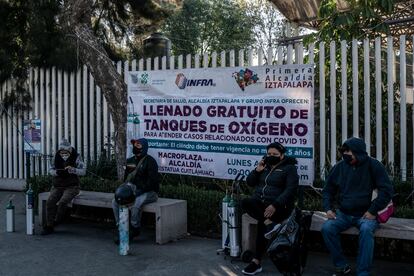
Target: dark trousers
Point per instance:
(256, 208)
(57, 203)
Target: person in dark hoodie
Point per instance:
(276, 181)
(66, 167)
(354, 178)
(141, 171)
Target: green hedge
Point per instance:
(204, 204)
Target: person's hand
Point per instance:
(70, 169)
(331, 214)
(368, 215)
(269, 211)
(260, 166)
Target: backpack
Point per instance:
(288, 251)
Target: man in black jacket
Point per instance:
(65, 169)
(276, 181)
(141, 171)
(354, 178)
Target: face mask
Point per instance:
(136, 150)
(65, 156)
(347, 158)
(272, 160)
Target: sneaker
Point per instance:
(47, 230)
(272, 230)
(252, 269)
(339, 271)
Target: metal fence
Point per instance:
(363, 90)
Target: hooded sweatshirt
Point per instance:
(147, 177)
(352, 184)
(276, 186)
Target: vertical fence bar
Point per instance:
(141, 65)
(148, 64)
(250, 57)
(59, 109)
(344, 89)
(390, 93)
(260, 57)
(188, 61)
(378, 99)
(48, 120)
(299, 53)
(85, 145)
(99, 121)
(2, 158)
(214, 59)
(180, 62)
(53, 117)
(20, 146)
(134, 65)
(205, 60)
(172, 62)
(126, 69)
(66, 104)
(289, 54)
(269, 56)
(322, 112)
(78, 107)
(196, 61)
(163, 63)
(232, 58)
(311, 50)
(223, 59)
(36, 93)
(332, 52)
(72, 109)
(412, 77)
(355, 88)
(4, 133)
(15, 142)
(105, 116)
(367, 98)
(9, 136)
(92, 119)
(403, 110)
(279, 55)
(241, 57)
(42, 117)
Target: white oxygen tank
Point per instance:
(234, 228)
(123, 228)
(224, 222)
(10, 217)
(29, 211)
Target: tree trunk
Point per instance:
(76, 21)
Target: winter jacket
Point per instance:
(67, 178)
(147, 177)
(278, 186)
(355, 183)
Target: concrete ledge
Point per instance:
(12, 184)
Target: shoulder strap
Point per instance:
(132, 175)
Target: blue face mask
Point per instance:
(347, 158)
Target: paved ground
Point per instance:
(84, 248)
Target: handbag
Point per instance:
(384, 215)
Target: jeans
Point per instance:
(136, 208)
(331, 230)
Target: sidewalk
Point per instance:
(84, 248)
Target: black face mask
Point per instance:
(347, 158)
(272, 160)
(136, 150)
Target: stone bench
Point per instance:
(170, 214)
(395, 228)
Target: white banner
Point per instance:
(217, 122)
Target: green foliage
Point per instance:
(363, 16)
(104, 167)
(203, 206)
(204, 26)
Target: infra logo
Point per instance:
(181, 81)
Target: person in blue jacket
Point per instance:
(347, 200)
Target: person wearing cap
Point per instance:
(66, 168)
(347, 200)
(276, 180)
(142, 172)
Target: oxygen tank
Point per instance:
(224, 222)
(234, 228)
(10, 217)
(123, 228)
(29, 211)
